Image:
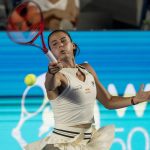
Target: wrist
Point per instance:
(133, 101)
(49, 71)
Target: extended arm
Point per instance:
(116, 102)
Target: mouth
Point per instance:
(63, 52)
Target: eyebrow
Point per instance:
(54, 41)
(63, 38)
(60, 39)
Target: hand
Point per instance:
(141, 96)
(54, 67)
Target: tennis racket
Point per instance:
(26, 24)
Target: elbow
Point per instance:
(108, 106)
(106, 102)
(111, 106)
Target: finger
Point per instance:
(146, 94)
(53, 64)
(54, 70)
(142, 87)
(60, 65)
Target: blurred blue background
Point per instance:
(122, 61)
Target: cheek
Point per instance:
(69, 47)
(55, 52)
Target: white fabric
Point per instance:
(75, 105)
(46, 5)
(78, 110)
(77, 2)
(101, 139)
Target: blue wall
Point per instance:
(122, 62)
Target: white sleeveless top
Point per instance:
(75, 105)
(46, 5)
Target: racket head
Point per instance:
(25, 23)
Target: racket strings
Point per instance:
(25, 23)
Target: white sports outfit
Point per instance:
(74, 106)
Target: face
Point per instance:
(61, 46)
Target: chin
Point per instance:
(65, 57)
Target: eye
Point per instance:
(63, 40)
(54, 44)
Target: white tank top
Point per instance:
(46, 5)
(75, 105)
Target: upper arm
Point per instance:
(103, 95)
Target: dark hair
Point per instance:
(55, 31)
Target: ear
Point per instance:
(74, 46)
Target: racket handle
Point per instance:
(51, 56)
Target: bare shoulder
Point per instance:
(85, 65)
(88, 67)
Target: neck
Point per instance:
(69, 63)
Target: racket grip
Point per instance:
(50, 56)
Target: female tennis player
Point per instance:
(72, 90)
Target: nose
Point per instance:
(61, 44)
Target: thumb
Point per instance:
(60, 65)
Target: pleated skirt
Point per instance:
(71, 138)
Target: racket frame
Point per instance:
(45, 50)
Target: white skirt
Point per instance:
(70, 138)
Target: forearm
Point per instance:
(51, 82)
(117, 102)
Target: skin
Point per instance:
(19, 23)
(55, 83)
(53, 17)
